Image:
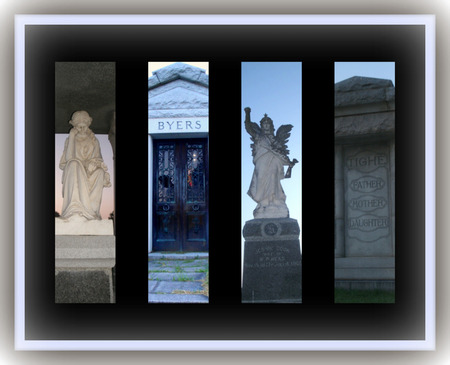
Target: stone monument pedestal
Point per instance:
(272, 261)
(84, 267)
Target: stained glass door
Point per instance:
(180, 207)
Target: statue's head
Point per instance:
(81, 116)
(81, 120)
(267, 125)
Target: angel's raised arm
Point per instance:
(252, 128)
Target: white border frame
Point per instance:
(430, 182)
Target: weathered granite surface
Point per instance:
(363, 90)
(272, 261)
(364, 106)
(365, 184)
(83, 286)
(178, 70)
(84, 269)
(178, 90)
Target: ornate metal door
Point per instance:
(180, 195)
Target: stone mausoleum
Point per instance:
(365, 184)
(178, 159)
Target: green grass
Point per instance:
(178, 269)
(363, 296)
(182, 278)
(156, 271)
(199, 271)
(205, 283)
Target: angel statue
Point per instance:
(270, 155)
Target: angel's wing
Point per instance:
(282, 137)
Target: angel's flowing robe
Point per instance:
(265, 187)
(83, 178)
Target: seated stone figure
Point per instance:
(85, 174)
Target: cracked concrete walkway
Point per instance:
(177, 278)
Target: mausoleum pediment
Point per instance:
(178, 98)
(178, 71)
(178, 90)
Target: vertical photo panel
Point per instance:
(365, 182)
(271, 182)
(84, 182)
(178, 238)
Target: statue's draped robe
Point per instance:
(83, 178)
(265, 186)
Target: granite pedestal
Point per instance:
(84, 268)
(272, 261)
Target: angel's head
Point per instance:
(267, 125)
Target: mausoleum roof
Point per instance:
(359, 90)
(364, 106)
(360, 83)
(176, 71)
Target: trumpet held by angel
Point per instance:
(270, 155)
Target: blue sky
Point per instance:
(274, 88)
(380, 70)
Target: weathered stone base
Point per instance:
(385, 285)
(83, 286)
(365, 273)
(272, 261)
(84, 269)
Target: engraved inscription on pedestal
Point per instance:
(273, 257)
(272, 261)
(366, 179)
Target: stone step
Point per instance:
(168, 287)
(192, 270)
(177, 298)
(175, 276)
(177, 266)
(177, 256)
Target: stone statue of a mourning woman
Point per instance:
(85, 174)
